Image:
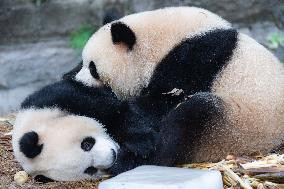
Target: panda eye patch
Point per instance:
(93, 70)
(88, 143)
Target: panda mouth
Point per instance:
(91, 170)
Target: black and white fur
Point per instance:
(234, 87)
(67, 131)
(55, 134)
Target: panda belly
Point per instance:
(236, 102)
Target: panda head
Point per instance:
(61, 146)
(102, 62)
(124, 53)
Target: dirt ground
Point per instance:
(9, 167)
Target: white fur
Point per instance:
(86, 78)
(61, 135)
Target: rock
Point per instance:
(21, 177)
(27, 63)
(244, 11)
(155, 177)
(10, 99)
(31, 20)
(278, 14)
(28, 67)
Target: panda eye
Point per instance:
(88, 143)
(93, 70)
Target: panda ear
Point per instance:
(29, 144)
(121, 33)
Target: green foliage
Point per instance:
(79, 37)
(275, 40)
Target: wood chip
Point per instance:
(273, 177)
(262, 170)
(232, 175)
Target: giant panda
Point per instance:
(231, 87)
(67, 131)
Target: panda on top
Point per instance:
(221, 72)
(231, 90)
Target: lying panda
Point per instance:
(234, 87)
(67, 131)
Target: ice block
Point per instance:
(156, 177)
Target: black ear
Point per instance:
(121, 33)
(29, 144)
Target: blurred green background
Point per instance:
(41, 39)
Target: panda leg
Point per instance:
(184, 125)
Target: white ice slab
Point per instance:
(156, 177)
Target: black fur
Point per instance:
(88, 143)
(29, 144)
(184, 125)
(169, 141)
(120, 32)
(194, 64)
(137, 137)
(93, 70)
(74, 97)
